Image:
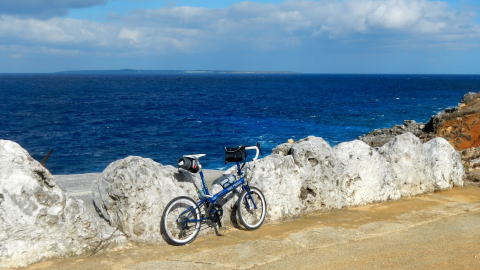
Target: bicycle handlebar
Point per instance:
(256, 148)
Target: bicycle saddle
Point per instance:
(195, 156)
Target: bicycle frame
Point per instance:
(214, 198)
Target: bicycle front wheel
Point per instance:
(251, 208)
(180, 221)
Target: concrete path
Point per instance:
(433, 231)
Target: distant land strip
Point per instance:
(160, 72)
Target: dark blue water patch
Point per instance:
(92, 120)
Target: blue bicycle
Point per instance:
(182, 217)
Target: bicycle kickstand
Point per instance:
(217, 227)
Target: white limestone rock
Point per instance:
(132, 193)
(277, 177)
(366, 176)
(445, 164)
(297, 178)
(410, 168)
(319, 171)
(37, 219)
(353, 173)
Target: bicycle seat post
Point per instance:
(192, 164)
(204, 184)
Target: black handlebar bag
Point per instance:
(235, 154)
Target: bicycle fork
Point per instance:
(249, 197)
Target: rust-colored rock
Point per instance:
(461, 125)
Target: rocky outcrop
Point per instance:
(132, 193)
(379, 137)
(367, 174)
(471, 162)
(37, 219)
(310, 175)
(460, 126)
(297, 178)
(276, 175)
(444, 164)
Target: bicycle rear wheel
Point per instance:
(252, 208)
(180, 221)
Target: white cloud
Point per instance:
(133, 36)
(252, 25)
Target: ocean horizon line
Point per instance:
(223, 72)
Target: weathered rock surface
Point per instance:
(471, 162)
(37, 219)
(379, 137)
(367, 177)
(276, 176)
(444, 163)
(460, 126)
(297, 178)
(132, 193)
(408, 164)
(310, 175)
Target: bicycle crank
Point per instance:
(215, 214)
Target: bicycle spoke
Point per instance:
(181, 221)
(251, 214)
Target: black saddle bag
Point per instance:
(235, 154)
(189, 164)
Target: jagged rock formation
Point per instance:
(37, 219)
(297, 178)
(379, 137)
(460, 126)
(310, 175)
(471, 162)
(133, 192)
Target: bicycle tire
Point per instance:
(243, 206)
(188, 210)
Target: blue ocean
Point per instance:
(92, 120)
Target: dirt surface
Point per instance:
(433, 231)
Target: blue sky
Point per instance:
(318, 36)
